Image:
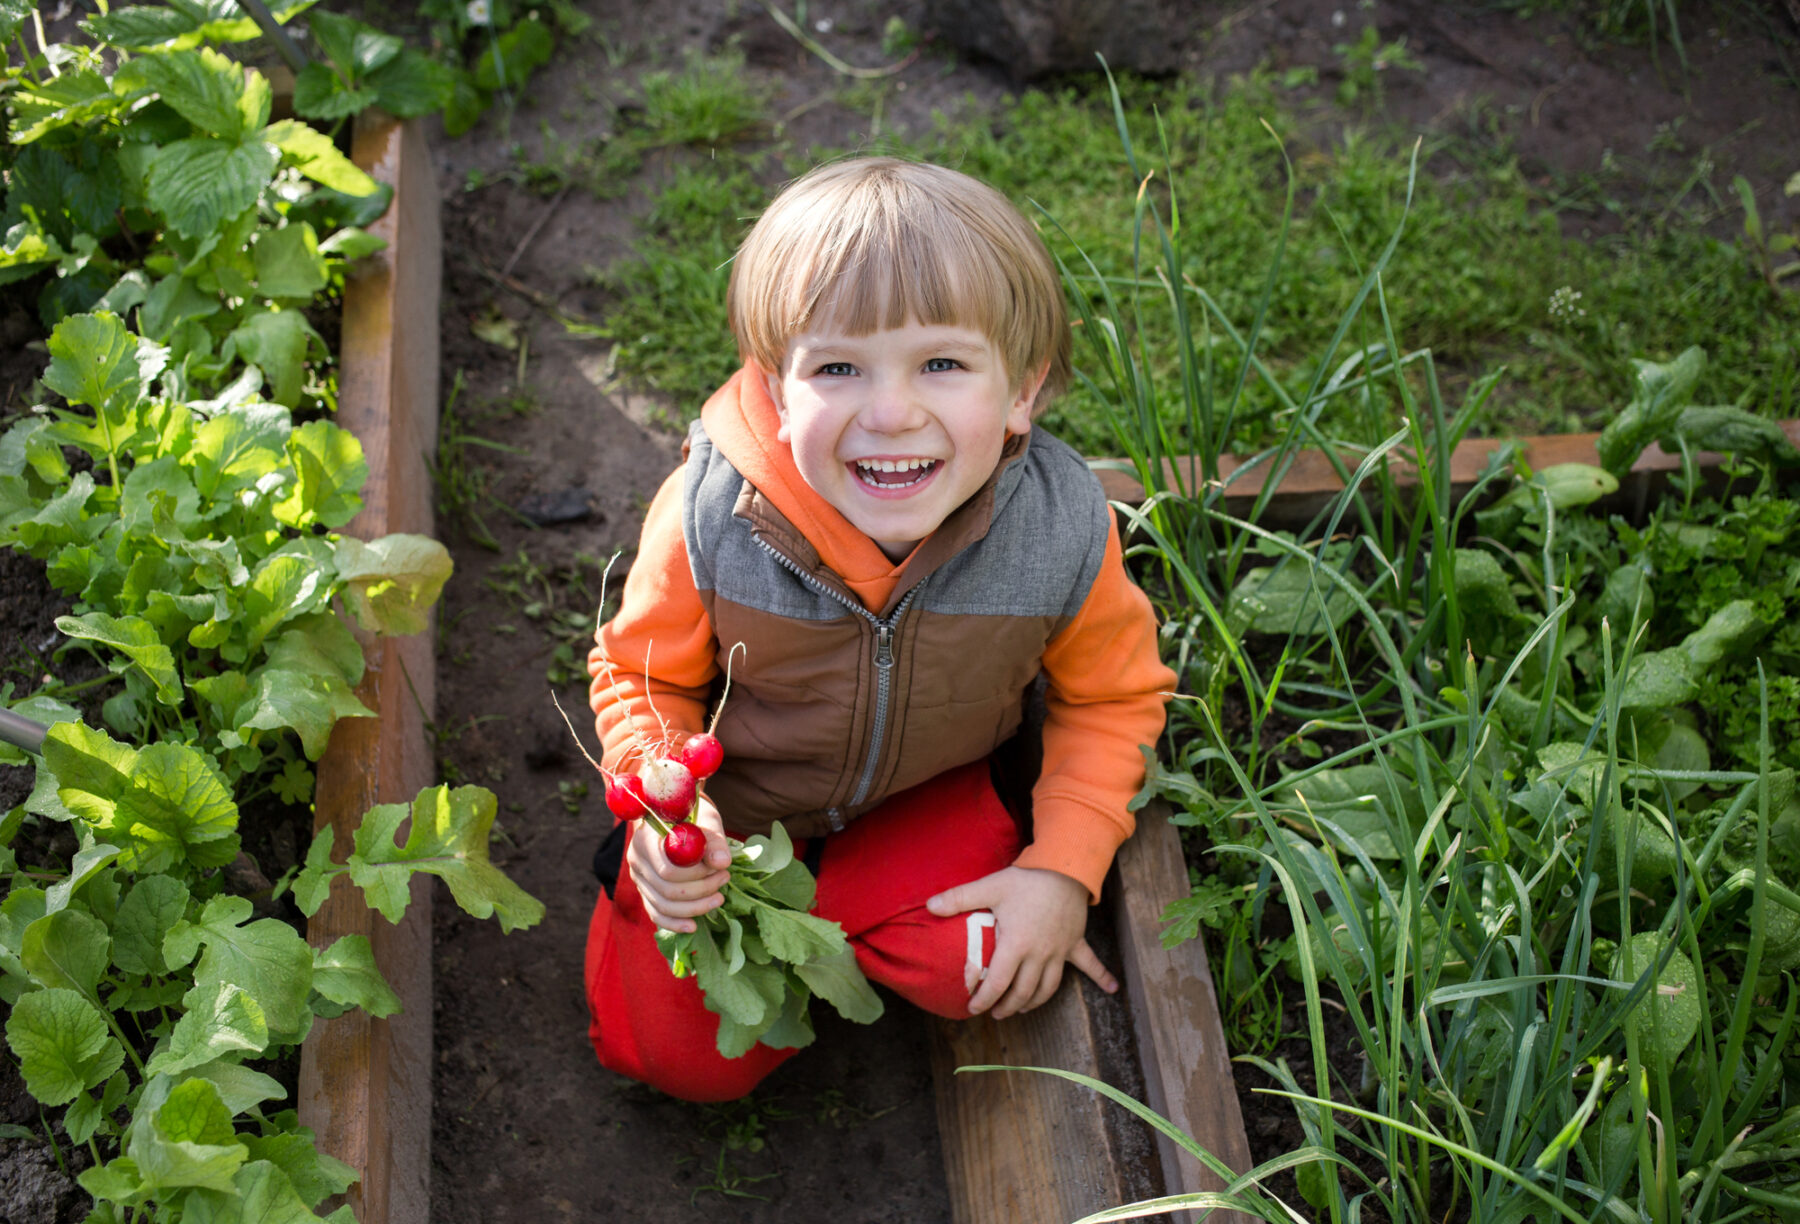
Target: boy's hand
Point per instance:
(674, 896)
(1040, 920)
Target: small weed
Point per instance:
(897, 38)
(710, 101)
(571, 794)
(730, 1182)
(1766, 248)
(1364, 62)
(560, 601)
(832, 1108)
(461, 482)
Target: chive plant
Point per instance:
(1463, 759)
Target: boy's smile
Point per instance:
(897, 428)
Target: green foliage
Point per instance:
(1517, 774)
(232, 222)
(1485, 279)
(760, 957)
(192, 519)
(364, 67)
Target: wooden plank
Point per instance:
(1175, 1012)
(365, 1084)
(1020, 1145)
(1311, 483)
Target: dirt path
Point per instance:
(527, 1126)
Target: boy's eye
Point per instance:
(839, 369)
(937, 365)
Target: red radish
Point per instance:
(702, 754)
(625, 796)
(668, 787)
(685, 844)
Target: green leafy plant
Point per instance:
(1471, 764)
(1364, 63)
(759, 957)
(149, 178)
(1765, 247)
(364, 67)
(192, 518)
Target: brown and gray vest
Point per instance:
(834, 707)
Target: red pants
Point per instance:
(874, 879)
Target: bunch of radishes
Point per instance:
(664, 791)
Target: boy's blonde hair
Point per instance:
(872, 242)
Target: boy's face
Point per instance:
(896, 429)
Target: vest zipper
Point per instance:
(884, 664)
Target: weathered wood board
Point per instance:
(1022, 1146)
(1175, 1012)
(365, 1084)
(1311, 482)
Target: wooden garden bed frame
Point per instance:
(1018, 1146)
(365, 1084)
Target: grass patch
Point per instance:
(1485, 275)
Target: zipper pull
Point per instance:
(884, 646)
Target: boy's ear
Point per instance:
(1018, 414)
(772, 383)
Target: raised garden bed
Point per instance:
(365, 1083)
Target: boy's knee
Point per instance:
(702, 1080)
(930, 961)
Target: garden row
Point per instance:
(1493, 759)
(218, 499)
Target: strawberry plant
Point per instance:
(146, 177)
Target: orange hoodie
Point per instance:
(1107, 686)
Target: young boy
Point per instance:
(867, 516)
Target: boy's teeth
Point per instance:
(895, 473)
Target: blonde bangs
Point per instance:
(868, 244)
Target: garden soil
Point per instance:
(527, 1126)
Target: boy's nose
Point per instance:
(893, 408)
